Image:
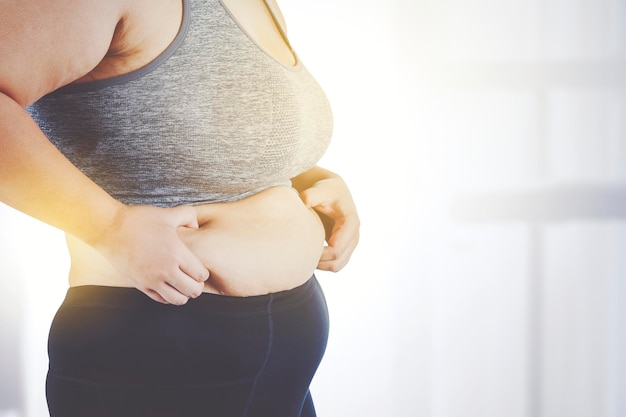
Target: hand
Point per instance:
(331, 198)
(144, 246)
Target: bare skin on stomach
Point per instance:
(265, 243)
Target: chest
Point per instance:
(214, 118)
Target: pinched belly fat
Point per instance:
(265, 243)
(268, 242)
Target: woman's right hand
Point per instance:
(143, 245)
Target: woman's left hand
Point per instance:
(331, 198)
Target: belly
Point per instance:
(269, 242)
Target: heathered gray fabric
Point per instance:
(213, 119)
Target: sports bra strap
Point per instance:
(279, 26)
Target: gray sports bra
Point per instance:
(214, 118)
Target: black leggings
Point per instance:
(116, 353)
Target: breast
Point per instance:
(209, 124)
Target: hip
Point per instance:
(119, 347)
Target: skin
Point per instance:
(162, 252)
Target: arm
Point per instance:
(328, 194)
(65, 40)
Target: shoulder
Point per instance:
(46, 44)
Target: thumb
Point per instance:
(313, 197)
(185, 216)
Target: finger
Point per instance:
(186, 286)
(333, 260)
(192, 267)
(329, 254)
(155, 296)
(315, 197)
(171, 294)
(341, 244)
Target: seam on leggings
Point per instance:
(270, 342)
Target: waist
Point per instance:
(130, 298)
(262, 244)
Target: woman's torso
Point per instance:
(223, 131)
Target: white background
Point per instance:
(437, 317)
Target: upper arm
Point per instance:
(46, 44)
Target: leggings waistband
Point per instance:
(131, 298)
